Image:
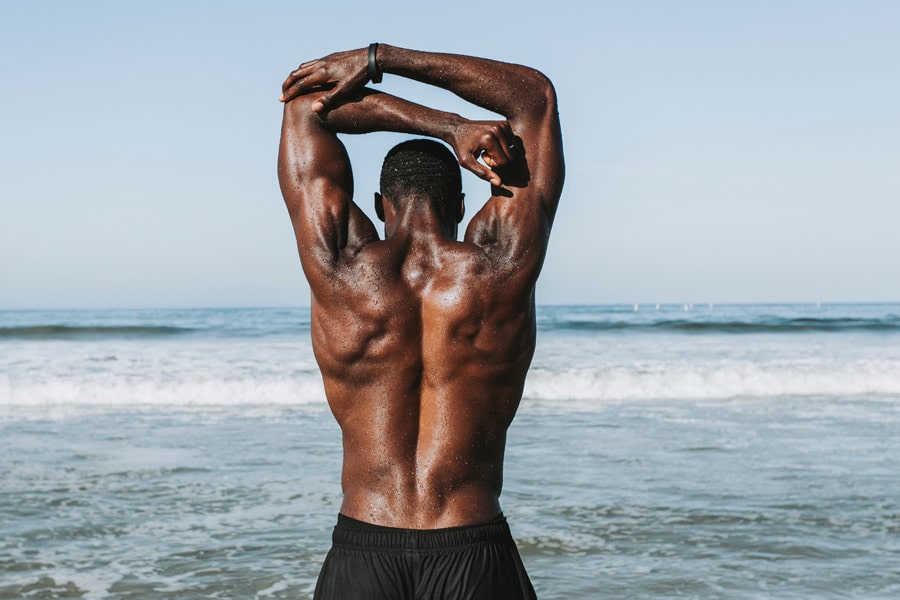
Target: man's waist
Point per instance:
(410, 509)
(350, 532)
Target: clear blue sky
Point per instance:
(716, 151)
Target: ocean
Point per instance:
(660, 451)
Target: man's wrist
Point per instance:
(374, 71)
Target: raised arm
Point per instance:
(514, 224)
(317, 184)
(369, 111)
(316, 179)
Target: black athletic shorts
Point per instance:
(369, 562)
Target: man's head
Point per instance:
(422, 171)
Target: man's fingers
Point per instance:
(341, 90)
(480, 170)
(508, 140)
(291, 92)
(494, 153)
(497, 145)
(335, 72)
(296, 75)
(291, 80)
(503, 148)
(322, 103)
(293, 89)
(326, 100)
(474, 166)
(306, 77)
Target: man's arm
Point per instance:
(370, 110)
(514, 224)
(317, 184)
(315, 174)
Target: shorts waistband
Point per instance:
(357, 534)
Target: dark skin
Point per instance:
(423, 341)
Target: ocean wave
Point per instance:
(585, 387)
(671, 381)
(78, 332)
(51, 332)
(601, 319)
(121, 392)
(890, 323)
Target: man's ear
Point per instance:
(462, 208)
(379, 206)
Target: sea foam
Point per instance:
(586, 386)
(715, 381)
(123, 393)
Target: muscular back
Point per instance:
(423, 353)
(423, 342)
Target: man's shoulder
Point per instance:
(387, 269)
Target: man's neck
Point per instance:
(418, 221)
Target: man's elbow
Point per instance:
(298, 110)
(540, 91)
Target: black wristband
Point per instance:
(374, 72)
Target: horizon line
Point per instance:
(682, 304)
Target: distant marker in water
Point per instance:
(657, 307)
(686, 308)
(636, 308)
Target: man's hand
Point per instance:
(339, 74)
(491, 141)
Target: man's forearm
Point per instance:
(370, 111)
(332, 88)
(508, 89)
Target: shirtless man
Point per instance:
(423, 341)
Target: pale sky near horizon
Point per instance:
(716, 151)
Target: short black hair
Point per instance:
(421, 168)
